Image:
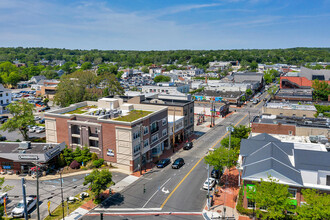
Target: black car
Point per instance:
(3, 138)
(188, 146)
(3, 120)
(178, 163)
(216, 174)
(42, 121)
(163, 163)
(44, 109)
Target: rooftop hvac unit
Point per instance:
(24, 145)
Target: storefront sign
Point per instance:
(28, 157)
(6, 167)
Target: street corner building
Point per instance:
(120, 133)
(298, 165)
(21, 157)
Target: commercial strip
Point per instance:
(289, 109)
(21, 157)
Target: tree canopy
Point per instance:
(221, 157)
(99, 181)
(321, 90)
(271, 196)
(270, 75)
(162, 78)
(22, 113)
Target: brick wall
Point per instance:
(109, 141)
(62, 130)
(273, 129)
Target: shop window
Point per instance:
(328, 180)
(293, 193)
(251, 204)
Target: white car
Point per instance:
(33, 129)
(37, 118)
(40, 129)
(18, 211)
(2, 198)
(210, 181)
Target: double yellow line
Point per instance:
(177, 186)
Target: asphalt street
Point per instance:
(171, 193)
(49, 190)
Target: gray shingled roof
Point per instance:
(308, 73)
(270, 166)
(312, 160)
(265, 137)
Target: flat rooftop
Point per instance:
(35, 148)
(290, 106)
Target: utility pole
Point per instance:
(62, 195)
(24, 199)
(38, 213)
(208, 187)
(173, 130)
(249, 120)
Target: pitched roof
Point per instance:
(265, 137)
(309, 73)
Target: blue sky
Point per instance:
(165, 24)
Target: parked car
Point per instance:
(37, 118)
(42, 121)
(2, 198)
(3, 119)
(40, 130)
(216, 174)
(178, 163)
(210, 182)
(163, 163)
(188, 146)
(33, 129)
(3, 138)
(44, 109)
(18, 211)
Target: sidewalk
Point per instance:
(225, 197)
(56, 176)
(88, 206)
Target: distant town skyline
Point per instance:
(165, 25)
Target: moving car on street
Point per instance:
(18, 211)
(163, 163)
(188, 146)
(178, 163)
(208, 181)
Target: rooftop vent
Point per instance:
(24, 145)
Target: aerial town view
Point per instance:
(182, 110)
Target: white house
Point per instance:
(5, 98)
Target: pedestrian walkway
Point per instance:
(225, 197)
(88, 206)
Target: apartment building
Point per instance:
(5, 98)
(167, 88)
(298, 165)
(120, 133)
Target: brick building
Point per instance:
(289, 109)
(120, 133)
(297, 165)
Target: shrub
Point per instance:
(94, 156)
(90, 165)
(74, 165)
(98, 163)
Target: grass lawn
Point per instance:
(81, 110)
(133, 115)
(57, 213)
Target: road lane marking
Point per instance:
(260, 102)
(127, 209)
(177, 186)
(156, 192)
(143, 213)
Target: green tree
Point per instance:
(22, 113)
(241, 132)
(145, 69)
(86, 155)
(248, 92)
(68, 156)
(243, 99)
(86, 66)
(273, 197)
(162, 78)
(272, 91)
(94, 156)
(253, 66)
(317, 205)
(61, 161)
(46, 100)
(112, 85)
(221, 157)
(98, 181)
(321, 90)
(234, 143)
